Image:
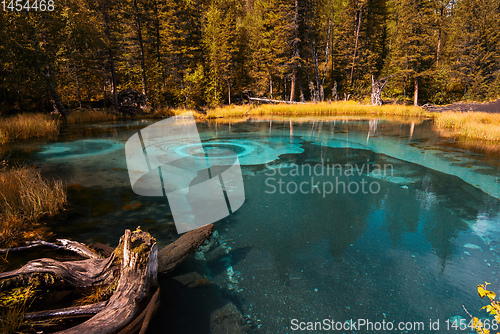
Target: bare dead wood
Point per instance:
(136, 298)
(172, 255)
(258, 99)
(377, 88)
(64, 244)
(359, 13)
(138, 277)
(140, 323)
(68, 312)
(82, 273)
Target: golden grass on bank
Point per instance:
(350, 108)
(91, 116)
(25, 198)
(26, 126)
(470, 125)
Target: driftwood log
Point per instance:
(133, 267)
(63, 244)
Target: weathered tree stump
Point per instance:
(377, 88)
(132, 267)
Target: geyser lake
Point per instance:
(410, 249)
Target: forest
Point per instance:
(206, 53)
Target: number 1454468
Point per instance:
(27, 5)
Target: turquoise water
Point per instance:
(343, 220)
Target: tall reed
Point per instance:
(26, 198)
(91, 116)
(26, 126)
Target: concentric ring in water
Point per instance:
(79, 149)
(219, 149)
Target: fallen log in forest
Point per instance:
(258, 99)
(131, 270)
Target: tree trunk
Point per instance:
(77, 80)
(55, 95)
(356, 45)
(295, 54)
(335, 95)
(258, 99)
(110, 55)
(441, 12)
(141, 48)
(415, 94)
(315, 60)
(326, 59)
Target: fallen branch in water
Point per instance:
(173, 255)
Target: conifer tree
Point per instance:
(413, 41)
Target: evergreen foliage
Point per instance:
(196, 53)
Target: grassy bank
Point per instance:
(91, 116)
(318, 109)
(25, 199)
(470, 125)
(466, 125)
(26, 126)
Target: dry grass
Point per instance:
(97, 294)
(3, 137)
(13, 305)
(91, 116)
(470, 125)
(319, 109)
(26, 198)
(27, 126)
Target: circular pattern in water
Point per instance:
(219, 149)
(79, 149)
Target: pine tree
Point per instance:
(475, 45)
(413, 41)
(271, 37)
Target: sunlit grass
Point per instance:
(320, 109)
(470, 125)
(13, 305)
(25, 198)
(97, 294)
(3, 137)
(91, 116)
(27, 126)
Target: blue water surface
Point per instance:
(404, 236)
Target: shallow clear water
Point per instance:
(391, 223)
